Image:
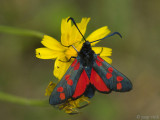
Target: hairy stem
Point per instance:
(18, 31)
(22, 101)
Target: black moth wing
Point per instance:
(67, 85)
(113, 79)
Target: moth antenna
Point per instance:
(76, 26)
(108, 36)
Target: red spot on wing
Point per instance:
(119, 86)
(77, 66)
(119, 78)
(60, 89)
(67, 77)
(108, 75)
(81, 85)
(110, 69)
(97, 81)
(98, 63)
(99, 58)
(70, 82)
(74, 63)
(62, 96)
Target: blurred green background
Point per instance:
(137, 55)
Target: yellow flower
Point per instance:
(71, 36)
(63, 52)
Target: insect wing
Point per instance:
(70, 86)
(108, 75)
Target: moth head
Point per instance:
(87, 44)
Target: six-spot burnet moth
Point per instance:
(88, 73)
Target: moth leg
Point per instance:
(70, 46)
(68, 59)
(101, 51)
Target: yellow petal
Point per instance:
(66, 32)
(103, 51)
(70, 34)
(50, 88)
(76, 36)
(60, 68)
(107, 59)
(98, 34)
(69, 110)
(52, 43)
(46, 53)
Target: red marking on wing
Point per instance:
(119, 86)
(108, 75)
(119, 78)
(77, 66)
(110, 69)
(70, 82)
(60, 89)
(98, 63)
(74, 63)
(62, 96)
(67, 77)
(99, 58)
(81, 85)
(97, 81)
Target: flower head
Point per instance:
(63, 51)
(71, 36)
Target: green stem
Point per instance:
(22, 101)
(18, 31)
